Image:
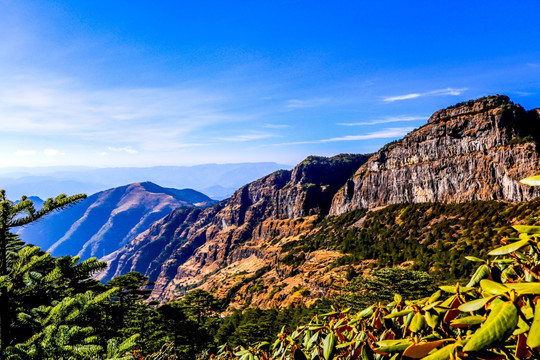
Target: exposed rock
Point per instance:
(217, 236)
(473, 151)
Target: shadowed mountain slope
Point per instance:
(107, 220)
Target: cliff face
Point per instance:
(472, 151)
(475, 151)
(182, 249)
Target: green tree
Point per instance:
(13, 215)
(201, 308)
(132, 290)
(384, 283)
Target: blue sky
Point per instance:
(139, 83)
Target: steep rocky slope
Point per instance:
(472, 151)
(107, 220)
(475, 151)
(210, 237)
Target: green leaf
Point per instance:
(533, 338)
(503, 261)
(392, 346)
(399, 313)
(479, 274)
(475, 304)
(499, 325)
(468, 321)
(366, 312)
(432, 305)
(474, 258)
(510, 248)
(432, 319)
(522, 327)
(525, 288)
(329, 343)
(312, 340)
(527, 229)
(435, 296)
(493, 288)
(417, 323)
(407, 320)
(531, 180)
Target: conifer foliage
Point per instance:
(11, 216)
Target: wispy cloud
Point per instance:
(386, 120)
(277, 126)
(402, 97)
(382, 134)
(53, 152)
(246, 137)
(440, 92)
(305, 104)
(126, 149)
(523, 93)
(146, 118)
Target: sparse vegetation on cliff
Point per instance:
(495, 315)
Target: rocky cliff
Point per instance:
(476, 150)
(182, 249)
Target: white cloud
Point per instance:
(52, 152)
(148, 118)
(440, 92)
(523, 93)
(402, 97)
(386, 120)
(447, 91)
(277, 126)
(304, 104)
(382, 134)
(246, 137)
(25, 152)
(126, 149)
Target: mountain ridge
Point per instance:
(108, 219)
(440, 152)
(486, 144)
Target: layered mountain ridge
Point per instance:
(108, 219)
(472, 151)
(461, 154)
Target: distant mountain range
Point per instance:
(218, 181)
(108, 219)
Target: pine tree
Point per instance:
(13, 215)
